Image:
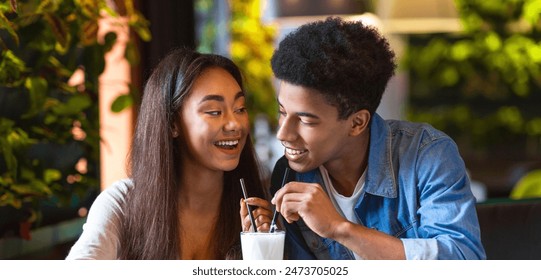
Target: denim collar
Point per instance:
(380, 177)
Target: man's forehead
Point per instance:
(304, 101)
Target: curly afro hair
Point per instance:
(346, 61)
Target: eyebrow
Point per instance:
(220, 98)
(302, 114)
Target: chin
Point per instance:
(229, 166)
(301, 168)
(228, 169)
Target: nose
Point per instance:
(286, 131)
(233, 122)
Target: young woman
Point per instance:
(190, 148)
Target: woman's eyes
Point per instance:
(213, 113)
(242, 110)
(216, 113)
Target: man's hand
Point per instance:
(310, 202)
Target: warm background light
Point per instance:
(115, 128)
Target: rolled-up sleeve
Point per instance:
(420, 249)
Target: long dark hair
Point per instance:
(150, 228)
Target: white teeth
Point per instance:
(294, 152)
(227, 143)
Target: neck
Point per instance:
(199, 207)
(201, 189)
(346, 170)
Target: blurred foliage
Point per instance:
(204, 10)
(483, 85)
(251, 47)
(49, 127)
(529, 186)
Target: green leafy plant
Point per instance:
(483, 85)
(252, 45)
(49, 126)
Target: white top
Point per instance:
(101, 231)
(344, 204)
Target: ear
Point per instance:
(175, 131)
(359, 122)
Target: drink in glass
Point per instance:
(262, 245)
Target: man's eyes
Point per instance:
(302, 120)
(307, 122)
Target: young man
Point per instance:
(362, 187)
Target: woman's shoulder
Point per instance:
(114, 196)
(100, 237)
(119, 189)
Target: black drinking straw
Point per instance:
(252, 220)
(275, 215)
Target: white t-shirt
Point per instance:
(344, 204)
(101, 231)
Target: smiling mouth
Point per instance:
(295, 152)
(228, 145)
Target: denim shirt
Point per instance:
(416, 189)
